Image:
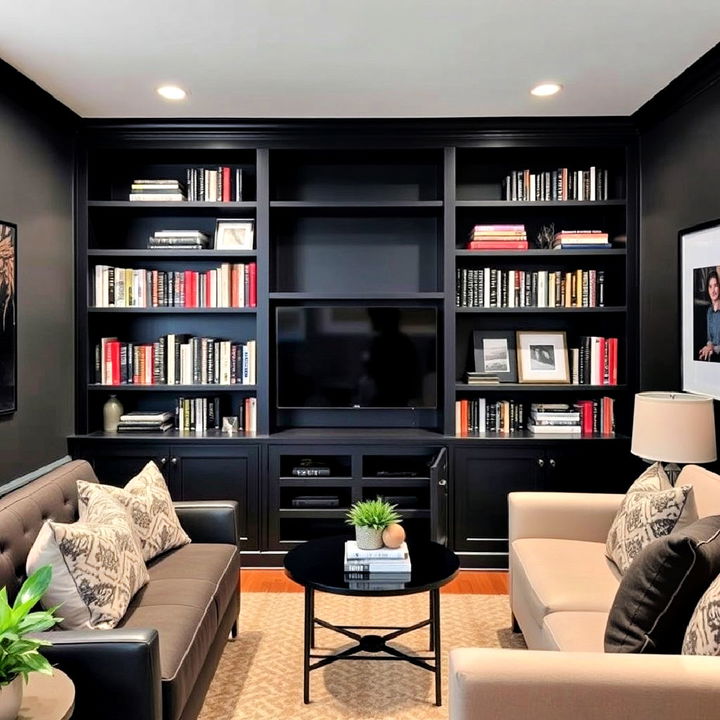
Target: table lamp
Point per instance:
(673, 428)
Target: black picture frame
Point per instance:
(699, 261)
(495, 365)
(8, 318)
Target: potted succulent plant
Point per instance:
(19, 654)
(370, 518)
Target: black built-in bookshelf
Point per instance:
(358, 214)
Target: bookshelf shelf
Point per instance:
(171, 254)
(533, 387)
(207, 387)
(537, 253)
(166, 205)
(539, 310)
(171, 311)
(539, 204)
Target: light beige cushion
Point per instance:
(97, 565)
(646, 516)
(555, 575)
(702, 636)
(150, 507)
(706, 488)
(575, 631)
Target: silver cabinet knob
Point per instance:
(552, 462)
(163, 461)
(541, 462)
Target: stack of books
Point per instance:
(382, 569)
(141, 421)
(481, 378)
(498, 237)
(549, 418)
(157, 190)
(179, 239)
(580, 240)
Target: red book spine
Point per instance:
(226, 184)
(252, 274)
(602, 370)
(115, 362)
(464, 415)
(207, 289)
(497, 245)
(613, 361)
(194, 280)
(187, 284)
(234, 286)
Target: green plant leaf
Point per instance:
(37, 622)
(34, 587)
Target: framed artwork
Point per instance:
(542, 357)
(8, 318)
(700, 308)
(235, 235)
(494, 354)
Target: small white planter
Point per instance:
(11, 698)
(367, 538)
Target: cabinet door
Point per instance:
(222, 473)
(595, 466)
(482, 479)
(439, 498)
(116, 463)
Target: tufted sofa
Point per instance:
(158, 664)
(561, 590)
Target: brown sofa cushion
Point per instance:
(189, 590)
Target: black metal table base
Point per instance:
(372, 643)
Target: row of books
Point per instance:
(595, 361)
(142, 421)
(203, 413)
(480, 415)
(557, 184)
(217, 184)
(497, 237)
(500, 288)
(178, 239)
(581, 240)
(157, 190)
(232, 285)
(175, 359)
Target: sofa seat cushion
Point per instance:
(574, 631)
(189, 590)
(215, 563)
(556, 575)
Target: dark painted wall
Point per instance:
(36, 180)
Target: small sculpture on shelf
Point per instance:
(546, 237)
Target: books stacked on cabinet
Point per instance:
(215, 184)
(497, 237)
(480, 415)
(175, 359)
(232, 285)
(557, 184)
(580, 240)
(504, 288)
(142, 421)
(157, 190)
(204, 413)
(382, 569)
(481, 378)
(549, 418)
(595, 361)
(179, 240)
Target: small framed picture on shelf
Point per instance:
(230, 424)
(235, 234)
(542, 357)
(494, 354)
(700, 308)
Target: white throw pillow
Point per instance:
(645, 516)
(149, 505)
(97, 566)
(653, 478)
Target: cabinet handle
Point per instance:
(174, 461)
(552, 462)
(163, 461)
(442, 482)
(541, 462)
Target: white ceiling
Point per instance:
(354, 58)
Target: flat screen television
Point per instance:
(356, 357)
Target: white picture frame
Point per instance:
(699, 266)
(542, 357)
(236, 234)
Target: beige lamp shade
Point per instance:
(674, 428)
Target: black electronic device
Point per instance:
(316, 501)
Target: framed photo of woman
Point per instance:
(700, 308)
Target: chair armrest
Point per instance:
(495, 684)
(210, 521)
(116, 672)
(560, 515)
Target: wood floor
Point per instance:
(468, 582)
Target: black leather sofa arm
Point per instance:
(116, 672)
(210, 521)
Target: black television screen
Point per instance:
(355, 357)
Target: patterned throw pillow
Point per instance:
(97, 566)
(148, 502)
(644, 516)
(702, 636)
(653, 478)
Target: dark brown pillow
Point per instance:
(661, 587)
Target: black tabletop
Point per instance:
(318, 564)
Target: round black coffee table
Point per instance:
(318, 565)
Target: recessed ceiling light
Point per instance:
(172, 92)
(546, 89)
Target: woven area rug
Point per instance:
(260, 674)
